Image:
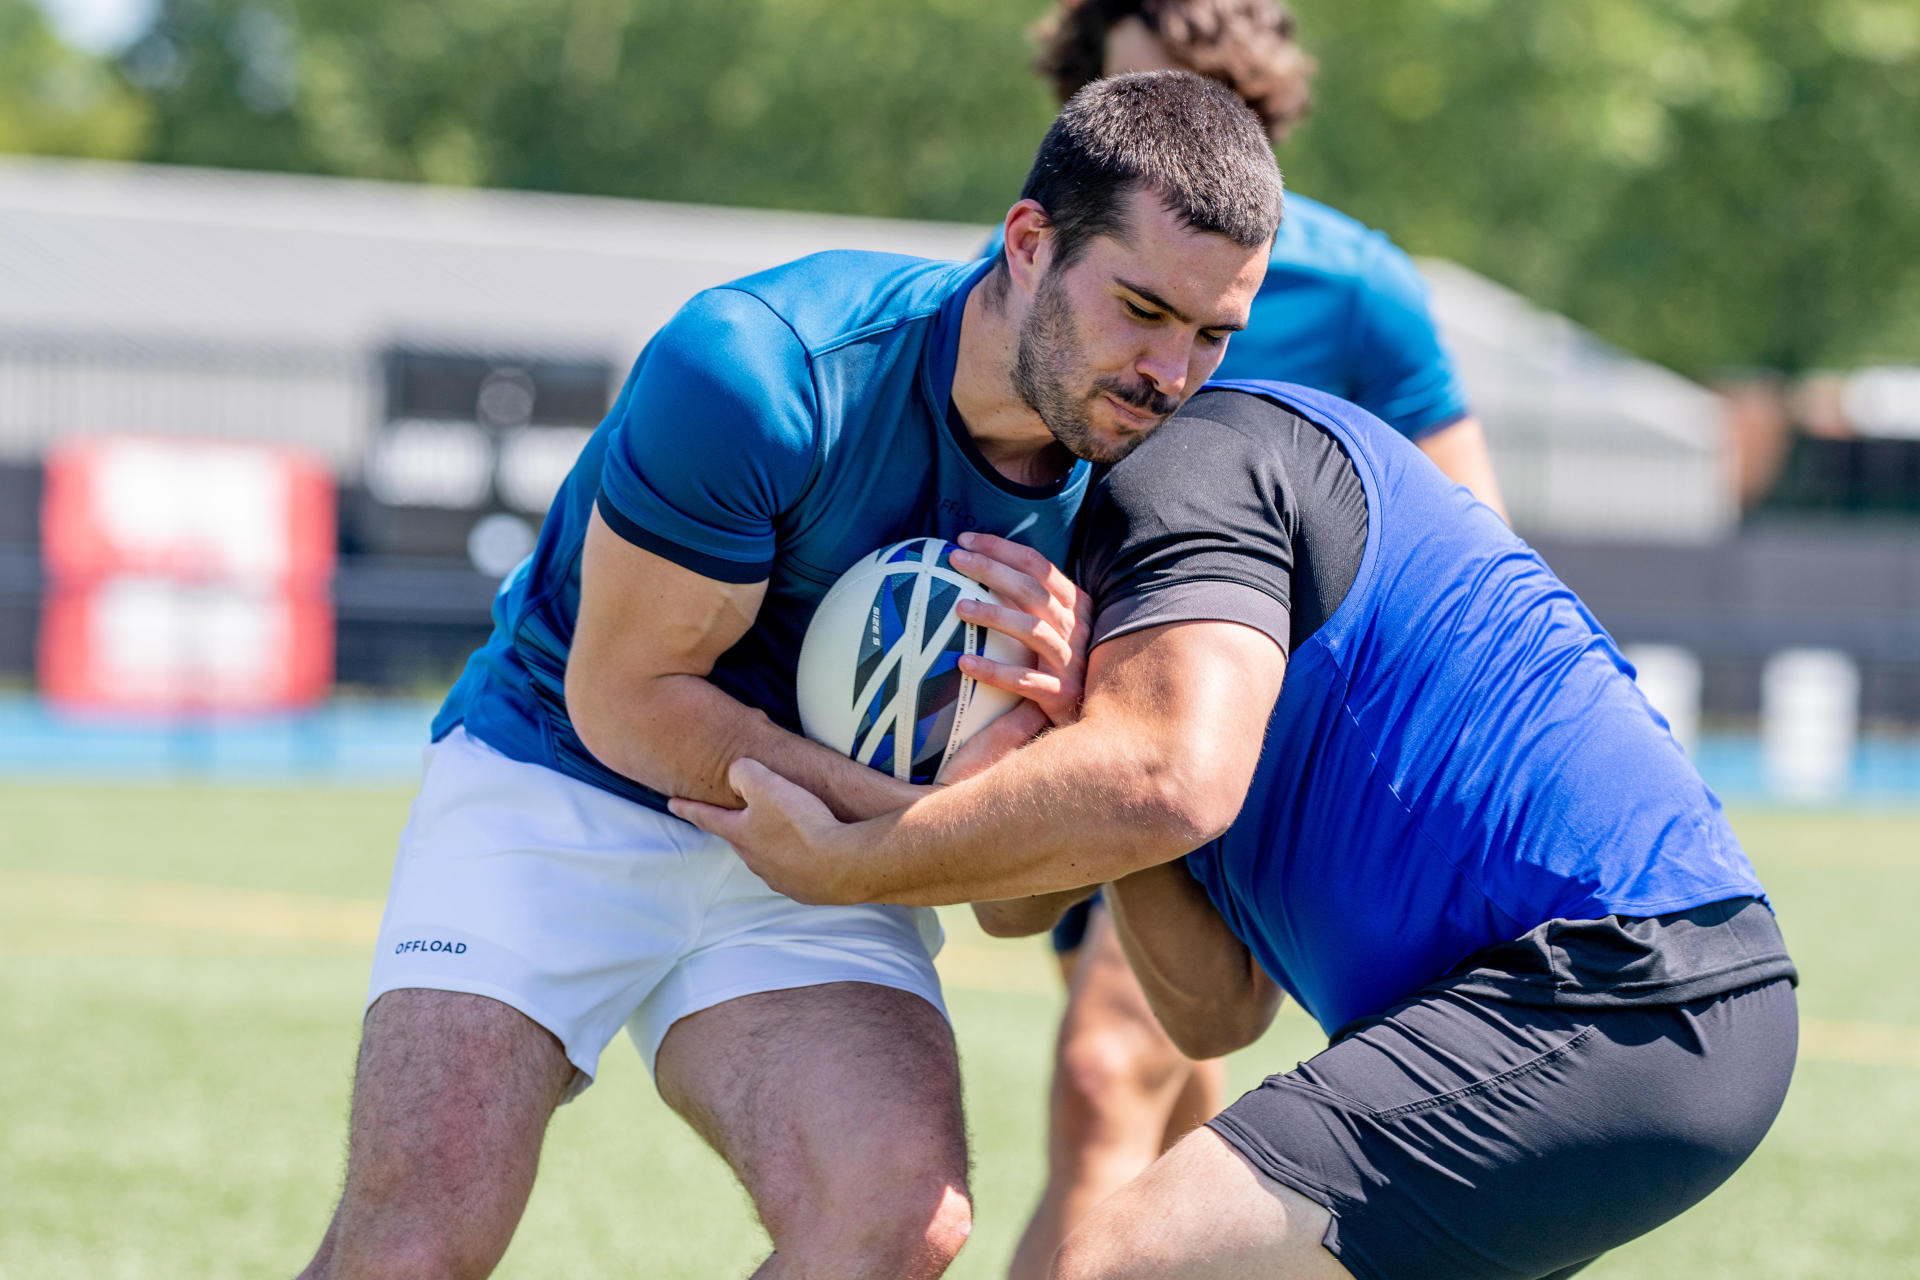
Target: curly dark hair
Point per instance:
(1247, 45)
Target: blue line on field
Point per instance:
(380, 740)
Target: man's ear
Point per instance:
(1028, 238)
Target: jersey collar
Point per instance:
(937, 369)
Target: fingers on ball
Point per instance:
(1010, 582)
(1014, 679)
(1045, 635)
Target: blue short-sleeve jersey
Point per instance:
(777, 429)
(1458, 755)
(1344, 311)
(704, 453)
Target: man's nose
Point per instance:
(1165, 363)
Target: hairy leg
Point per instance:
(451, 1099)
(1201, 1213)
(1122, 1094)
(839, 1108)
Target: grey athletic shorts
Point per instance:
(1457, 1137)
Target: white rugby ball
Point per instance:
(879, 676)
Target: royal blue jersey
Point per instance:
(1342, 309)
(1458, 753)
(777, 429)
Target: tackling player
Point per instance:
(1343, 310)
(1560, 1010)
(775, 431)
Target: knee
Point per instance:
(910, 1226)
(1104, 1077)
(942, 1233)
(916, 1230)
(380, 1233)
(419, 1254)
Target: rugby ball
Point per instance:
(879, 676)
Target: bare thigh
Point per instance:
(451, 1099)
(1201, 1211)
(838, 1106)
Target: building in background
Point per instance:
(445, 353)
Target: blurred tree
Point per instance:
(1713, 183)
(1708, 182)
(868, 106)
(57, 101)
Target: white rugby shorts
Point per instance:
(586, 911)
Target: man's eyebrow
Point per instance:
(1155, 299)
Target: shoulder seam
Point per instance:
(878, 326)
(813, 391)
(841, 339)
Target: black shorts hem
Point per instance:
(1296, 1179)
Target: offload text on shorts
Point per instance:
(433, 944)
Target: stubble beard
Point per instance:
(1045, 364)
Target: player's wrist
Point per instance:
(854, 873)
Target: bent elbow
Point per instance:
(1016, 918)
(1190, 809)
(1217, 1032)
(1188, 786)
(1210, 1040)
(999, 926)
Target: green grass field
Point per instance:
(180, 981)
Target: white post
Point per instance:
(1669, 676)
(1809, 722)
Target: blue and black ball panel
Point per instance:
(887, 651)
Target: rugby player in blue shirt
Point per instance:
(1559, 1009)
(775, 431)
(1343, 310)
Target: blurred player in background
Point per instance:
(1342, 310)
(775, 431)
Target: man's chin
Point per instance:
(1104, 435)
(1125, 432)
(1108, 447)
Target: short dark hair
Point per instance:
(1247, 45)
(1186, 138)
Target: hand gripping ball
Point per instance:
(879, 676)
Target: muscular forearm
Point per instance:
(679, 734)
(1202, 981)
(1082, 806)
(1157, 765)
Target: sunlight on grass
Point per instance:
(181, 987)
